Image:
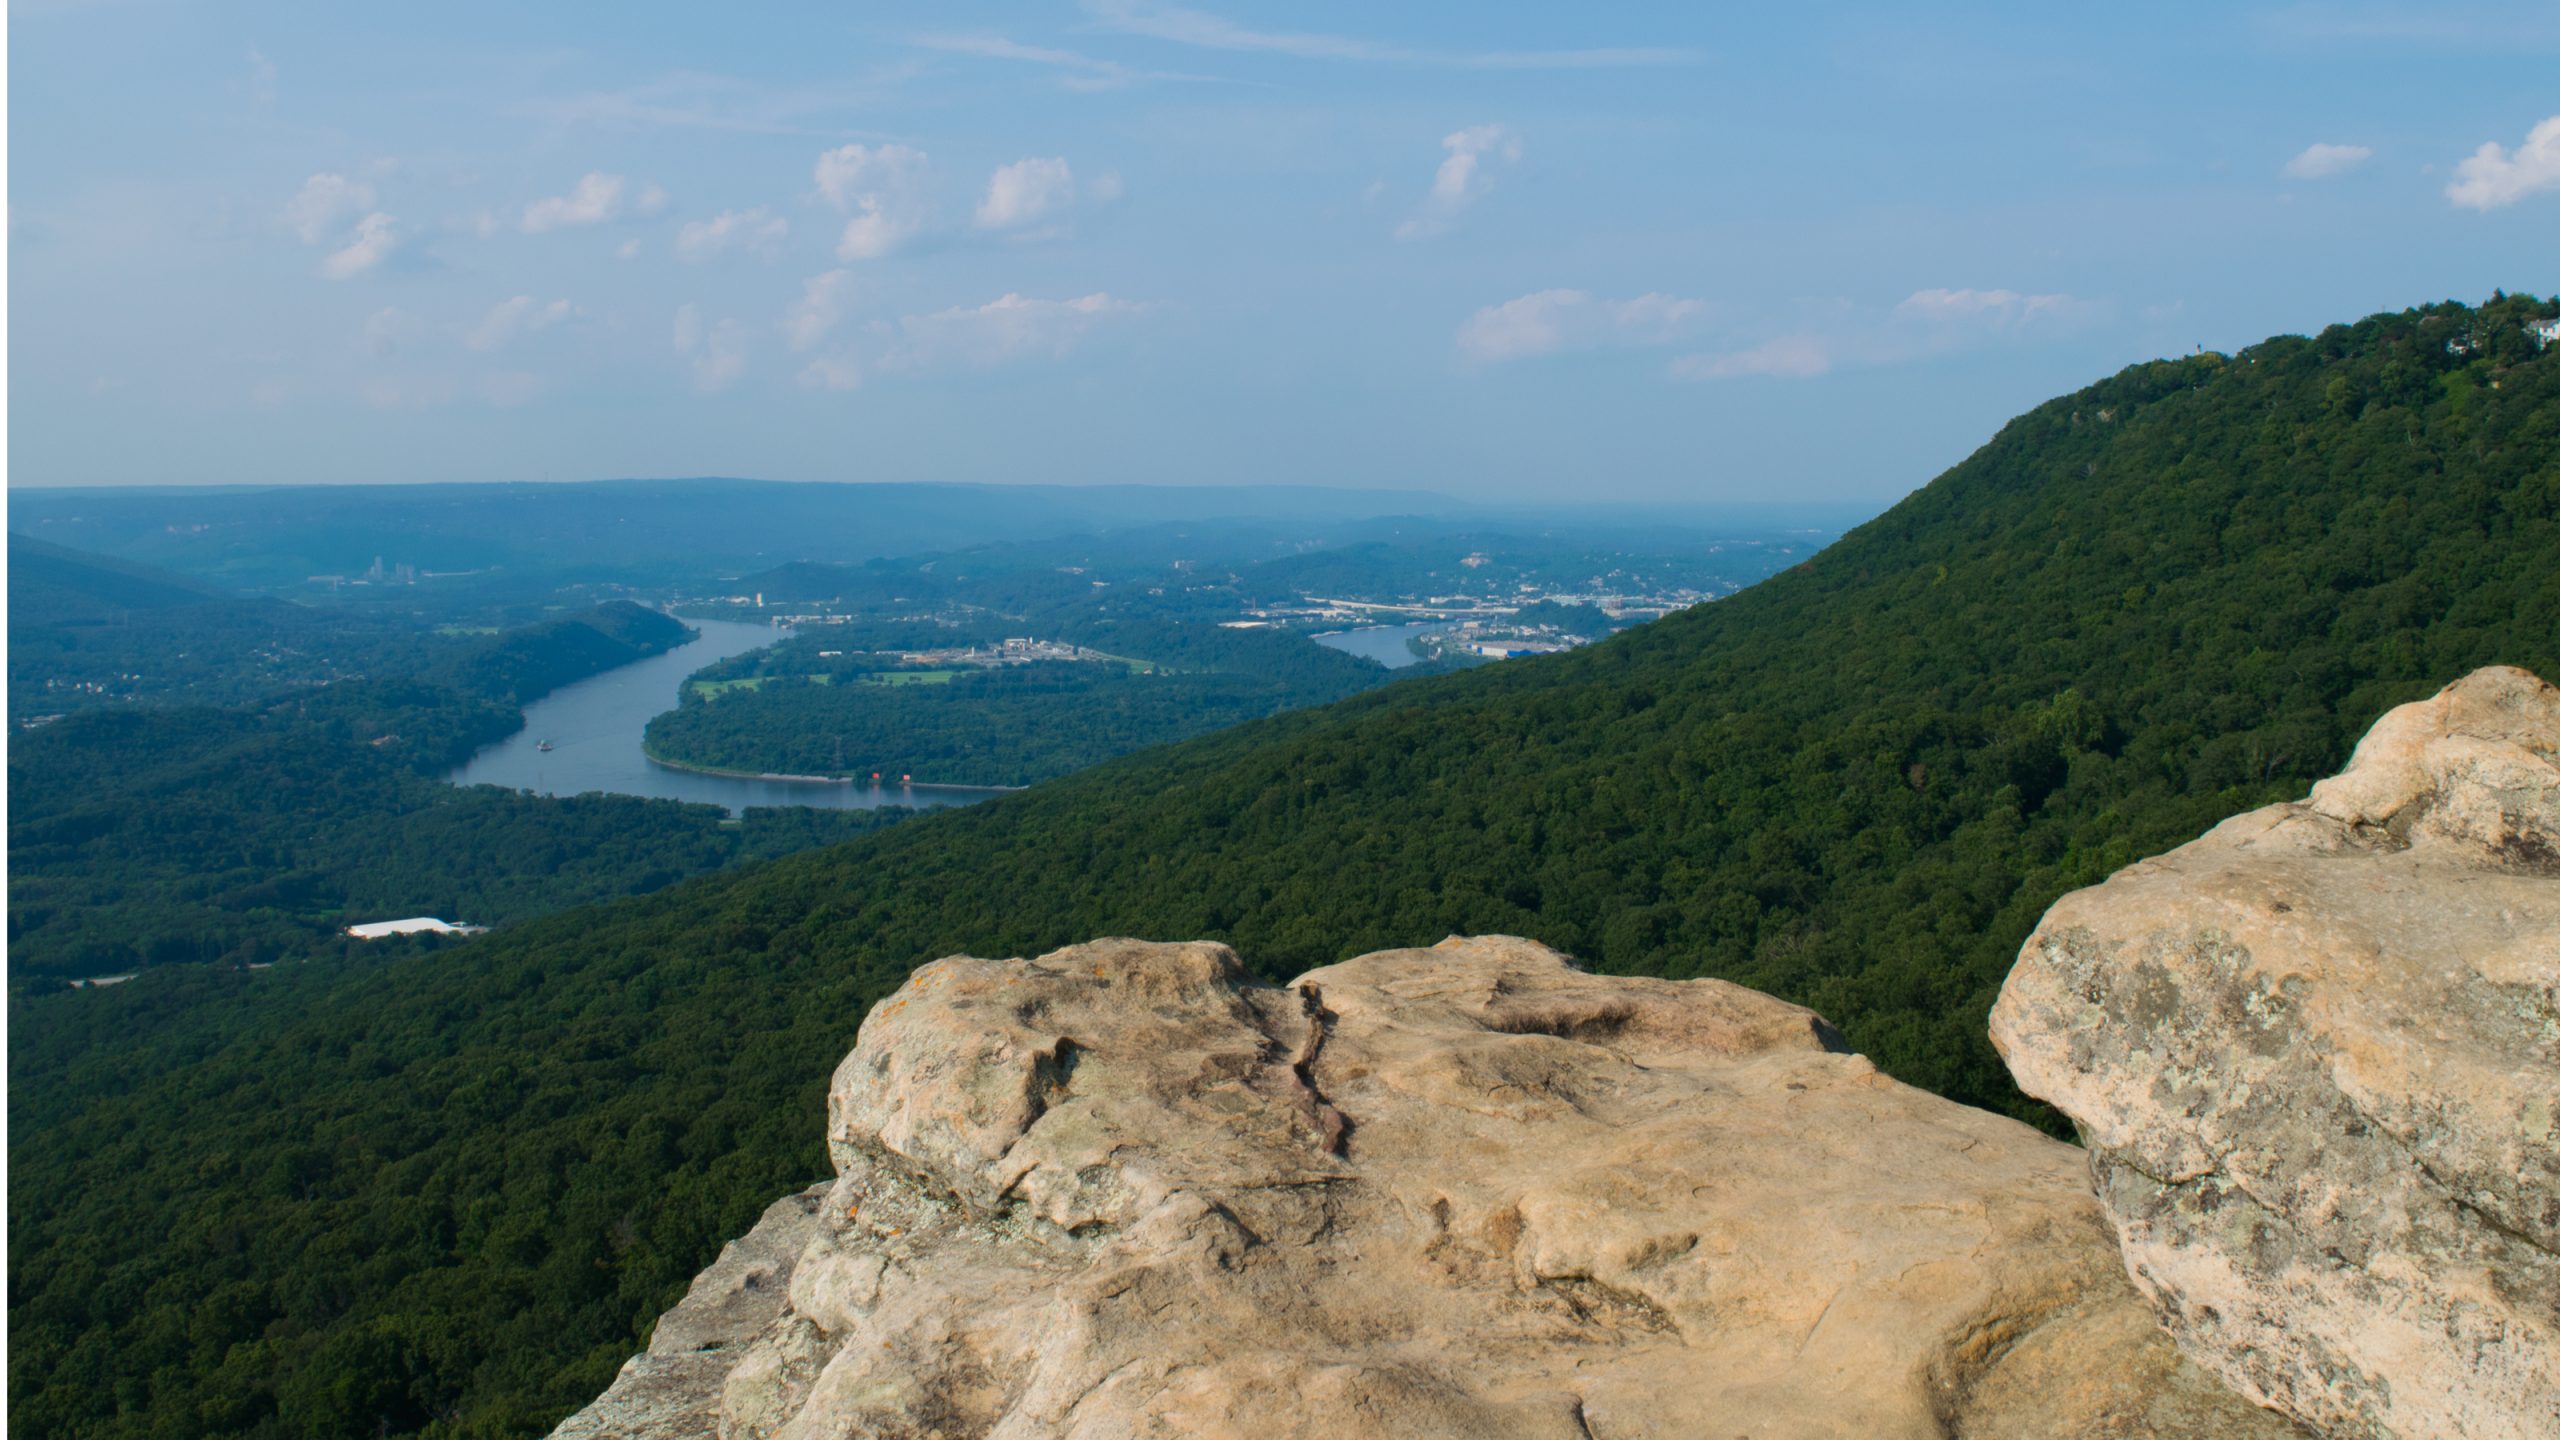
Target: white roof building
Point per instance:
(415, 925)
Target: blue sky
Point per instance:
(1721, 254)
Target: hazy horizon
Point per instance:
(1490, 507)
(1507, 254)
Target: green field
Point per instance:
(714, 689)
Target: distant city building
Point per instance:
(1017, 651)
(415, 925)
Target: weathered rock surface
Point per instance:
(1124, 1190)
(671, 1391)
(2316, 1057)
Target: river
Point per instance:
(595, 727)
(1382, 643)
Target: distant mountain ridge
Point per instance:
(54, 583)
(283, 535)
(88, 629)
(2177, 593)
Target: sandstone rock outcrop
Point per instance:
(2316, 1057)
(1124, 1190)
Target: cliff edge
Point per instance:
(2316, 1057)
(1124, 1189)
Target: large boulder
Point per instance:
(1125, 1190)
(2315, 1055)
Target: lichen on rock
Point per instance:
(1123, 1189)
(2316, 1057)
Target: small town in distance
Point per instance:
(1403, 606)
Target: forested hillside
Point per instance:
(90, 630)
(1008, 726)
(447, 1198)
(526, 663)
(820, 705)
(49, 584)
(148, 835)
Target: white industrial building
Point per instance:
(414, 925)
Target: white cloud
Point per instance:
(1457, 181)
(521, 315)
(629, 249)
(845, 173)
(688, 332)
(1793, 357)
(324, 201)
(1461, 179)
(2494, 177)
(1531, 325)
(1213, 32)
(1009, 328)
(1556, 320)
(595, 199)
(1926, 323)
(1996, 305)
(832, 372)
(757, 230)
(884, 186)
(373, 240)
(820, 306)
(1655, 318)
(1025, 192)
(869, 236)
(2319, 162)
(1105, 188)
